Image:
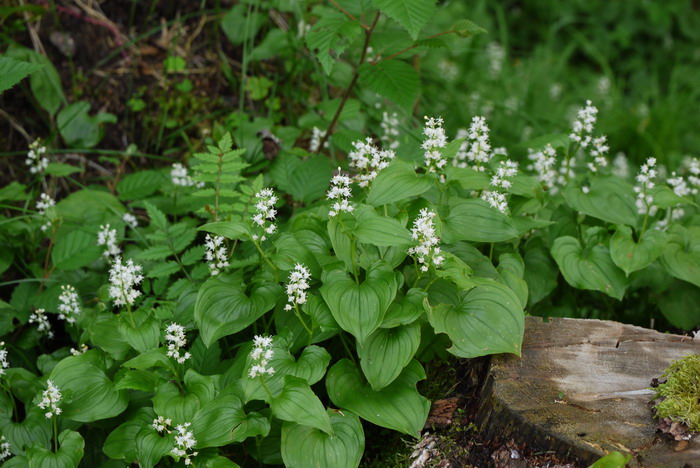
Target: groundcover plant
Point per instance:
(229, 307)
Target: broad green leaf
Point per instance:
(75, 248)
(330, 36)
(679, 304)
(631, 255)
(103, 334)
(78, 128)
(467, 28)
(89, 207)
(148, 359)
(609, 198)
(612, 460)
(156, 252)
(289, 250)
(511, 270)
(61, 169)
(386, 352)
(240, 23)
(180, 406)
(304, 446)
(136, 379)
(311, 365)
(93, 395)
(213, 423)
(223, 307)
(121, 442)
(254, 424)
(467, 178)
(45, 82)
(474, 220)
(405, 309)
(298, 403)
(681, 258)
(229, 229)
(398, 406)
(590, 268)
(143, 334)
(34, 429)
(487, 319)
(397, 182)
(665, 197)
(541, 271)
(163, 269)
(340, 237)
(413, 15)
(359, 308)
(140, 184)
(13, 71)
(151, 447)
(308, 181)
(395, 80)
(71, 447)
(157, 217)
(373, 228)
(455, 270)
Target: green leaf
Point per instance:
(304, 446)
(156, 252)
(541, 271)
(78, 128)
(181, 407)
(679, 304)
(13, 71)
(386, 352)
(141, 184)
(382, 231)
(612, 460)
(608, 198)
(329, 38)
(213, 423)
(163, 269)
(61, 170)
(71, 447)
(455, 270)
(467, 28)
(393, 79)
(144, 334)
(397, 182)
(89, 207)
(474, 220)
(45, 82)
(405, 309)
(34, 429)
(121, 442)
(664, 197)
(156, 216)
(151, 447)
(148, 359)
(308, 180)
(74, 248)
(359, 308)
(467, 178)
(229, 229)
(681, 258)
(631, 255)
(254, 424)
(311, 365)
(487, 319)
(94, 396)
(398, 406)
(223, 307)
(590, 268)
(102, 334)
(413, 15)
(511, 270)
(238, 25)
(298, 403)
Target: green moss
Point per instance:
(680, 394)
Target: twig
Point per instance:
(403, 51)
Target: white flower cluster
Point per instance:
(679, 185)
(180, 176)
(496, 200)
(51, 397)
(261, 355)
(390, 130)
(36, 161)
(123, 278)
(130, 220)
(162, 424)
(184, 441)
(478, 149)
(108, 238)
(265, 204)
(435, 139)
(4, 364)
(68, 307)
(583, 125)
(82, 349)
(216, 254)
(340, 192)
(316, 136)
(297, 286)
(543, 164)
(426, 252)
(506, 170)
(694, 169)
(45, 202)
(43, 324)
(4, 449)
(175, 337)
(599, 152)
(368, 159)
(645, 180)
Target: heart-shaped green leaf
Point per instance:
(298, 403)
(681, 257)
(151, 447)
(224, 308)
(679, 304)
(387, 351)
(143, 333)
(397, 182)
(397, 406)
(213, 423)
(405, 309)
(541, 271)
(487, 319)
(171, 403)
(35, 429)
(589, 269)
(359, 308)
(608, 198)
(381, 231)
(304, 446)
(474, 220)
(71, 447)
(631, 255)
(121, 442)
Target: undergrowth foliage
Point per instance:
(230, 306)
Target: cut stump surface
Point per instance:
(580, 389)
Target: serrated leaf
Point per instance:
(393, 79)
(329, 38)
(156, 216)
(161, 270)
(140, 184)
(467, 28)
(413, 15)
(13, 71)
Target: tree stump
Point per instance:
(581, 389)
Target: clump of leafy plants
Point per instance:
(677, 400)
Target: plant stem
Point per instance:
(262, 382)
(55, 434)
(298, 314)
(348, 91)
(262, 254)
(347, 348)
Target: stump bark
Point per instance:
(580, 389)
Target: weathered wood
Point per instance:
(580, 389)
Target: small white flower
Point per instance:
(261, 355)
(543, 164)
(123, 278)
(162, 424)
(694, 176)
(427, 251)
(645, 182)
(476, 148)
(43, 324)
(82, 349)
(4, 364)
(585, 189)
(130, 220)
(435, 140)
(36, 160)
(583, 125)
(216, 254)
(506, 171)
(316, 136)
(599, 151)
(184, 441)
(265, 214)
(180, 176)
(680, 186)
(4, 449)
(45, 202)
(68, 307)
(496, 200)
(108, 238)
(369, 160)
(175, 338)
(297, 286)
(51, 397)
(340, 192)
(390, 130)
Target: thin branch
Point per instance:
(348, 14)
(403, 51)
